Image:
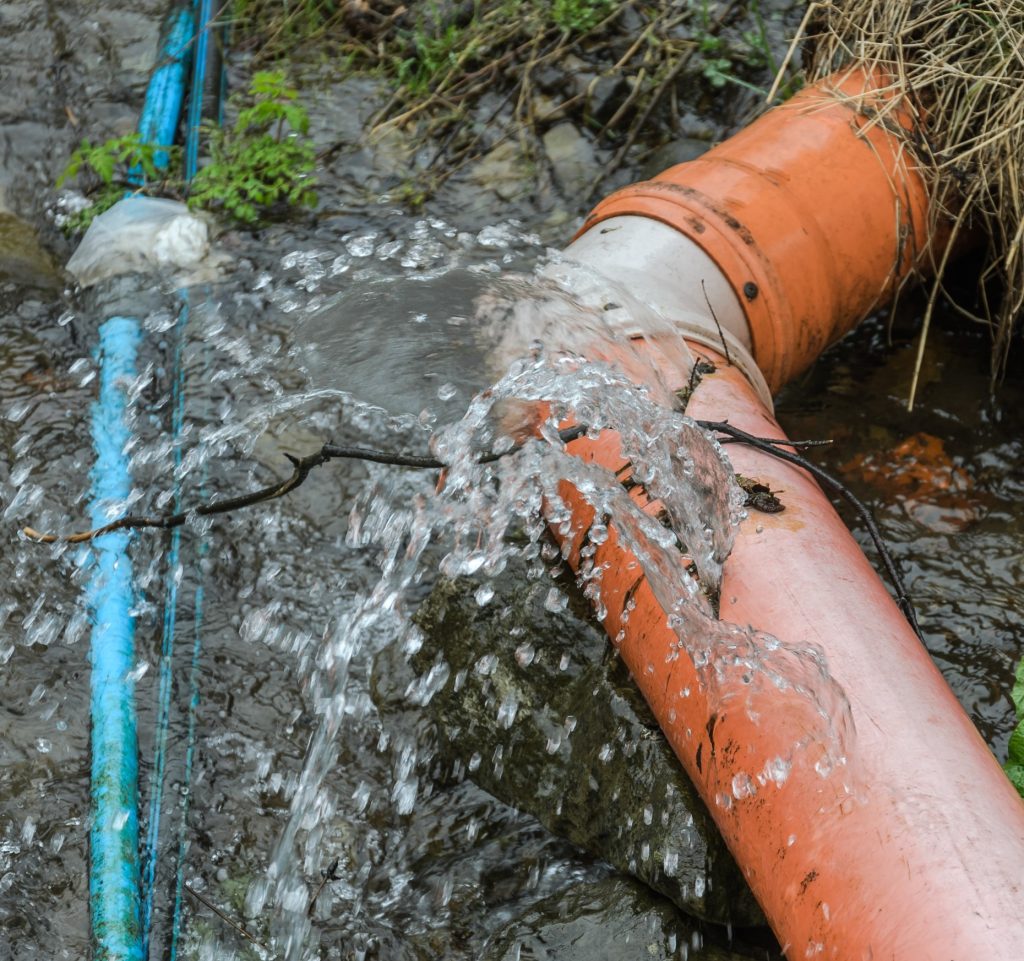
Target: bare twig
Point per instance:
(224, 917)
(302, 466)
(714, 317)
(777, 448)
(331, 874)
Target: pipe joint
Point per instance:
(814, 215)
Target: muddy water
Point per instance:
(944, 482)
(365, 314)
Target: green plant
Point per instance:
(1014, 766)
(108, 169)
(433, 53)
(721, 60)
(117, 156)
(273, 31)
(579, 16)
(265, 159)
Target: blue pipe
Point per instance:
(114, 830)
(114, 889)
(165, 95)
(200, 62)
(203, 62)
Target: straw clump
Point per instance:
(959, 66)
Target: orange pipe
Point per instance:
(814, 214)
(913, 849)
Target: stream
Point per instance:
(319, 812)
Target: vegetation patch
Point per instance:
(464, 77)
(262, 164)
(265, 160)
(109, 170)
(1014, 766)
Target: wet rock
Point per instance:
(504, 171)
(572, 78)
(532, 703)
(614, 919)
(572, 158)
(678, 151)
(22, 260)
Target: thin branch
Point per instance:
(714, 317)
(302, 467)
(224, 917)
(776, 448)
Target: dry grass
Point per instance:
(961, 63)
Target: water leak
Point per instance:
(314, 815)
(297, 768)
(299, 599)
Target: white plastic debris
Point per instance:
(140, 234)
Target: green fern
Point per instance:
(266, 159)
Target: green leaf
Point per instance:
(1017, 694)
(1014, 766)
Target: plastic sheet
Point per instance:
(137, 235)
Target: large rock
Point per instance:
(505, 171)
(572, 158)
(535, 707)
(22, 259)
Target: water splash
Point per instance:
(282, 573)
(469, 524)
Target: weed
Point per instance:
(721, 61)
(433, 55)
(108, 169)
(275, 29)
(579, 16)
(126, 156)
(1014, 765)
(266, 159)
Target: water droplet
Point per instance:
(555, 601)
(362, 245)
(743, 786)
(525, 654)
(507, 711)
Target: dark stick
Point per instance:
(227, 920)
(714, 317)
(331, 874)
(302, 466)
(776, 448)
